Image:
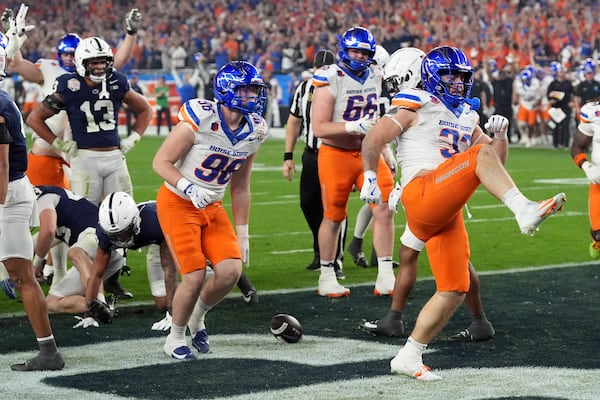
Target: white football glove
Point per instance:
(592, 172)
(164, 324)
(361, 126)
(17, 33)
(498, 125)
(200, 197)
(65, 146)
(130, 141)
(133, 20)
(395, 198)
(370, 191)
(244, 243)
(6, 18)
(85, 322)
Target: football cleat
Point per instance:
(250, 297)
(39, 363)
(475, 332)
(178, 350)
(328, 284)
(112, 285)
(595, 250)
(339, 269)
(384, 327)
(355, 249)
(9, 288)
(314, 265)
(530, 218)
(420, 373)
(384, 284)
(200, 341)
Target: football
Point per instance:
(286, 328)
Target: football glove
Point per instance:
(133, 20)
(17, 33)
(360, 126)
(65, 146)
(200, 197)
(592, 172)
(9, 288)
(85, 322)
(130, 141)
(6, 18)
(497, 125)
(370, 191)
(99, 311)
(164, 324)
(390, 160)
(244, 243)
(395, 198)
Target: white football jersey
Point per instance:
(529, 95)
(589, 125)
(216, 153)
(438, 135)
(355, 97)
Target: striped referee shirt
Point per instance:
(301, 108)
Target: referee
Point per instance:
(299, 125)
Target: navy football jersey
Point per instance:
(150, 232)
(93, 113)
(17, 148)
(74, 213)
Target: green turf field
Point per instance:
(281, 243)
(541, 294)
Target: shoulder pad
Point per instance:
(323, 75)
(589, 112)
(411, 99)
(195, 110)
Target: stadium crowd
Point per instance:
(284, 36)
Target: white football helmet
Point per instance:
(93, 48)
(381, 56)
(403, 69)
(119, 217)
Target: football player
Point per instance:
(123, 224)
(212, 147)
(72, 219)
(444, 156)
(345, 106)
(47, 164)
(17, 204)
(403, 71)
(588, 132)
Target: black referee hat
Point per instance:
(324, 57)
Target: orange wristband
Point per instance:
(579, 159)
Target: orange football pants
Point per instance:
(339, 172)
(194, 235)
(433, 205)
(594, 207)
(46, 170)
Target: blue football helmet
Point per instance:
(526, 76)
(555, 68)
(231, 86)
(451, 61)
(358, 38)
(589, 66)
(67, 44)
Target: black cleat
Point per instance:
(250, 297)
(315, 265)
(39, 363)
(384, 327)
(355, 249)
(112, 285)
(475, 332)
(339, 272)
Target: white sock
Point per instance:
(196, 322)
(514, 200)
(385, 264)
(177, 333)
